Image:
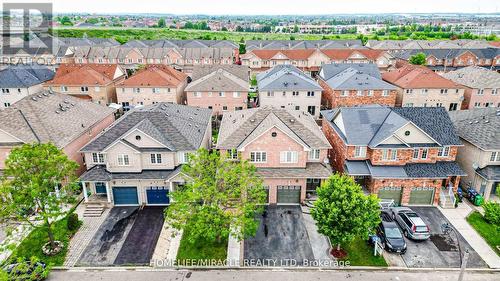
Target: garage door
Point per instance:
(125, 195)
(157, 195)
(390, 193)
(421, 195)
(289, 194)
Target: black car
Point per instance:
(390, 235)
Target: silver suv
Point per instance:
(412, 225)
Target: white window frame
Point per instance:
(123, 160)
(97, 158)
(344, 93)
(183, 157)
(84, 89)
(416, 153)
(389, 154)
(258, 157)
(360, 151)
(495, 156)
(444, 151)
(314, 154)
(233, 154)
(155, 158)
(424, 153)
(385, 93)
(289, 157)
(236, 94)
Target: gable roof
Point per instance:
(417, 76)
(155, 75)
(243, 126)
(344, 54)
(478, 126)
(353, 77)
(369, 125)
(285, 77)
(177, 127)
(302, 44)
(51, 117)
(220, 78)
(84, 74)
(475, 77)
(20, 76)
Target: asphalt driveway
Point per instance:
(440, 250)
(281, 237)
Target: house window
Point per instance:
(360, 151)
(232, 154)
(453, 106)
(270, 94)
(137, 90)
(197, 94)
(224, 108)
(314, 154)
(310, 94)
(345, 93)
(297, 107)
(389, 154)
(311, 110)
(495, 156)
(6, 104)
(258, 156)
(444, 91)
(444, 151)
(123, 160)
(289, 157)
(494, 91)
(97, 88)
(424, 91)
(157, 90)
(385, 93)
(97, 158)
(236, 94)
(370, 93)
(294, 94)
(424, 152)
(222, 94)
(156, 158)
(415, 153)
(84, 89)
(359, 93)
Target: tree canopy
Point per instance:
(417, 59)
(221, 196)
(343, 212)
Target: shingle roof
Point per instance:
(302, 44)
(163, 43)
(475, 77)
(220, 78)
(428, 44)
(368, 125)
(413, 76)
(354, 78)
(99, 173)
(178, 127)
(312, 170)
(331, 69)
(51, 117)
(24, 76)
(438, 170)
(285, 77)
(238, 127)
(155, 76)
(491, 172)
(84, 74)
(479, 126)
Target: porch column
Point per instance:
(108, 192)
(85, 195)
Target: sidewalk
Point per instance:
(457, 218)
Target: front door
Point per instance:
(100, 188)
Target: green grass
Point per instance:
(490, 233)
(201, 250)
(32, 244)
(359, 253)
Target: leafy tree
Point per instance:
(417, 59)
(295, 29)
(343, 212)
(38, 181)
(221, 196)
(65, 21)
(242, 48)
(161, 23)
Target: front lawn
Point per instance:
(489, 232)
(32, 244)
(201, 250)
(359, 253)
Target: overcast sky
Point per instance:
(274, 7)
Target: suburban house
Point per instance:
(480, 154)
(221, 88)
(138, 159)
(405, 154)
(19, 81)
(482, 86)
(348, 84)
(287, 147)
(285, 86)
(152, 84)
(421, 87)
(302, 44)
(65, 121)
(95, 82)
(427, 44)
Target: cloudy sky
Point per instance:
(273, 7)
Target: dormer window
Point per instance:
(155, 158)
(138, 137)
(444, 151)
(97, 158)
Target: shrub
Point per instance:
(73, 222)
(492, 213)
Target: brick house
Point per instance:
(221, 88)
(286, 86)
(95, 82)
(406, 154)
(287, 147)
(66, 121)
(421, 87)
(138, 159)
(482, 86)
(348, 84)
(150, 85)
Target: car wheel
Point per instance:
(405, 233)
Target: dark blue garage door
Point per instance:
(125, 195)
(157, 195)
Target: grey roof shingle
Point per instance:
(220, 78)
(491, 172)
(438, 170)
(354, 77)
(479, 126)
(51, 117)
(21, 76)
(475, 77)
(433, 170)
(302, 44)
(286, 78)
(368, 125)
(329, 70)
(178, 127)
(312, 170)
(99, 173)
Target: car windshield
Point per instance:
(393, 233)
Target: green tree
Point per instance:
(38, 181)
(417, 59)
(161, 23)
(343, 212)
(295, 29)
(221, 196)
(65, 21)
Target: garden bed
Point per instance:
(359, 253)
(489, 232)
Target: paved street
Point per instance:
(243, 275)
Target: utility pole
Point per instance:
(463, 266)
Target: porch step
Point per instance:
(93, 210)
(447, 205)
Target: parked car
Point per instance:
(412, 225)
(390, 235)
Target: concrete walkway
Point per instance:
(84, 235)
(457, 218)
(319, 243)
(164, 251)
